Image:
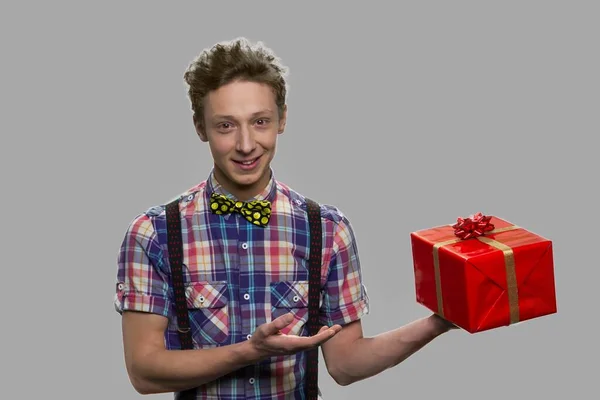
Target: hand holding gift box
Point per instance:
(483, 273)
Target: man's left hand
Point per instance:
(444, 324)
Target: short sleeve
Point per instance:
(141, 284)
(345, 297)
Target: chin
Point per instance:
(247, 181)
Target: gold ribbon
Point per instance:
(509, 263)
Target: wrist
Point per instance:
(440, 325)
(248, 353)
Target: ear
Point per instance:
(283, 119)
(200, 130)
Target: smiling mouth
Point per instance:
(247, 162)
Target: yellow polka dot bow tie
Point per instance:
(257, 212)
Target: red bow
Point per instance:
(473, 226)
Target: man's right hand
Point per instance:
(267, 341)
(154, 369)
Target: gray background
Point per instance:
(447, 107)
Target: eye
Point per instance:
(224, 126)
(262, 121)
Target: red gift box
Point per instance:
(483, 272)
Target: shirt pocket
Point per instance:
(208, 308)
(291, 296)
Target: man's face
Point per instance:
(241, 127)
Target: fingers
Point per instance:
(326, 333)
(323, 329)
(323, 335)
(291, 344)
(273, 327)
(336, 328)
(270, 339)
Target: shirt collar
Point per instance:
(268, 193)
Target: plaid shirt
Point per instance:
(239, 276)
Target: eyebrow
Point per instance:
(256, 114)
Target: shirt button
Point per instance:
(120, 286)
(251, 380)
(248, 336)
(244, 246)
(246, 296)
(296, 299)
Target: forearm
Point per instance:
(367, 357)
(176, 370)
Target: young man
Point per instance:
(245, 265)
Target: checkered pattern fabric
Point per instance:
(238, 276)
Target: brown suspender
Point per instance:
(314, 285)
(176, 262)
(175, 246)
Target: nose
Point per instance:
(245, 143)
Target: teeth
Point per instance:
(248, 162)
